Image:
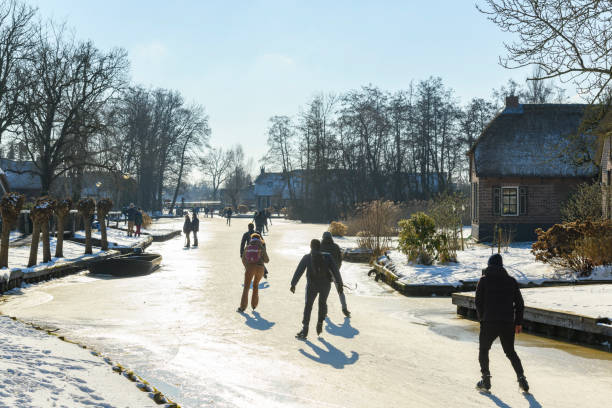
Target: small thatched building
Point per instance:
(525, 164)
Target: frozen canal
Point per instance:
(178, 329)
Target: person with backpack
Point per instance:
(187, 229)
(253, 258)
(500, 307)
(319, 269)
(195, 227)
(138, 218)
(246, 237)
(330, 247)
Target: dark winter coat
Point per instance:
(138, 218)
(195, 224)
(498, 298)
(131, 213)
(260, 218)
(312, 277)
(246, 238)
(330, 247)
(187, 227)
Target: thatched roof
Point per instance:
(535, 140)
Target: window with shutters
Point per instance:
(510, 201)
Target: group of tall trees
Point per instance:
(68, 107)
(369, 144)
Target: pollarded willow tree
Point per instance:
(40, 215)
(87, 207)
(62, 209)
(10, 207)
(104, 206)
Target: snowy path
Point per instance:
(178, 329)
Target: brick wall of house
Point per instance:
(606, 176)
(545, 197)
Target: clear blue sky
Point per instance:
(245, 61)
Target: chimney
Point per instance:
(512, 101)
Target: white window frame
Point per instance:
(518, 201)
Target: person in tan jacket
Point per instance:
(253, 258)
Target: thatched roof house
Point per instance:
(525, 164)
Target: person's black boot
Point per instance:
(302, 335)
(346, 312)
(523, 384)
(484, 384)
(319, 328)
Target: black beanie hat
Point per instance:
(496, 260)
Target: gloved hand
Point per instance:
(292, 289)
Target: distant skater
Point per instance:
(138, 217)
(131, 213)
(195, 227)
(229, 217)
(330, 247)
(319, 268)
(500, 311)
(253, 258)
(260, 220)
(187, 230)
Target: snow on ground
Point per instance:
(19, 256)
(587, 300)
(518, 261)
(39, 370)
(15, 236)
(115, 237)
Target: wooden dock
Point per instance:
(556, 324)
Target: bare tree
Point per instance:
(239, 177)
(16, 34)
(570, 40)
(215, 166)
(281, 149)
(69, 84)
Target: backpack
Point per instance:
(253, 252)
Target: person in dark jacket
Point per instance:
(187, 230)
(330, 247)
(131, 213)
(138, 218)
(195, 227)
(500, 307)
(260, 220)
(228, 214)
(319, 269)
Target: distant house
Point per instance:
(522, 168)
(272, 189)
(606, 176)
(21, 177)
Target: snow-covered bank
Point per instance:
(19, 256)
(39, 370)
(115, 237)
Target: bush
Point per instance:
(146, 220)
(337, 229)
(376, 223)
(578, 246)
(584, 204)
(243, 209)
(417, 238)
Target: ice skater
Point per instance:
(187, 230)
(500, 311)
(246, 238)
(253, 258)
(330, 247)
(228, 214)
(319, 268)
(195, 227)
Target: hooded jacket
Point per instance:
(498, 298)
(330, 247)
(306, 265)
